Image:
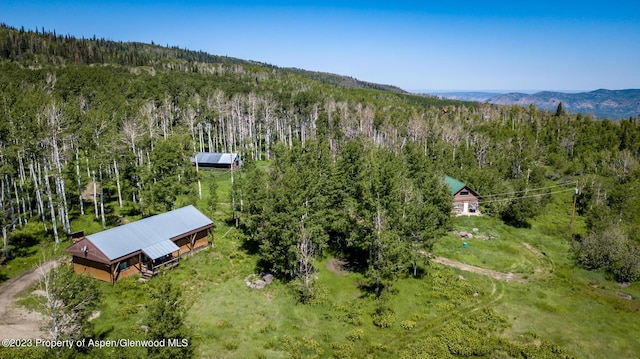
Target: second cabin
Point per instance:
(466, 202)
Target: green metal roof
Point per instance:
(454, 184)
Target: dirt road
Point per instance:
(469, 268)
(15, 321)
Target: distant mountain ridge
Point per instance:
(611, 104)
(475, 96)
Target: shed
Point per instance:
(217, 160)
(465, 200)
(143, 246)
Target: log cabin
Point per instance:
(142, 247)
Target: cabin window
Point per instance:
(123, 266)
(464, 193)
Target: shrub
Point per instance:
(355, 334)
(384, 317)
(408, 324)
(343, 351)
(268, 329)
(225, 324)
(299, 348)
(230, 346)
(351, 313)
(610, 249)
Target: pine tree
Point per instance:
(559, 110)
(166, 313)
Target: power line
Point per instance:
(530, 196)
(529, 190)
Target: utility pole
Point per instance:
(575, 198)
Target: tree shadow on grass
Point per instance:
(515, 221)
(373, 290)
(421, 271)
(250, 246)
(24, 244)
(354, 260)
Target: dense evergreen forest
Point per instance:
(86, 116)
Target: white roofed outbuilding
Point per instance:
(217, 160)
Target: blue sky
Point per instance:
(432, 45)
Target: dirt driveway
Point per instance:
(15, 321)
(508, 277)
(469, 268)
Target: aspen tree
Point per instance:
(117, 173)
(79, 183)
(40, 207)
(51, 207)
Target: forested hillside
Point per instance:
(127, 116)
(90, 127)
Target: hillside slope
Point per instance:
(51, 48)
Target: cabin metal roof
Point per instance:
(160, 249)
(151, 235)
(454, 184)
(215, 158)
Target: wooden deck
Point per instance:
(147, 274)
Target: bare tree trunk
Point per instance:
(5, 242)
(41, 211)
(87, 160)
(190, 121)
(259, 141)
(63, 208)
(54, 120)
(208, 125)
(15, 189)
(79, 183)
(104, 222)
(303, 125)
(131, 131)
(201, 137)
(267, 143)
(115, 168)
(52, 303)
(24, 193)
(95, 194)
(148, 113)
(198, 175)
(305, 258)
(26, 203)
(166, 116)
(23, 176)
(51, 207)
